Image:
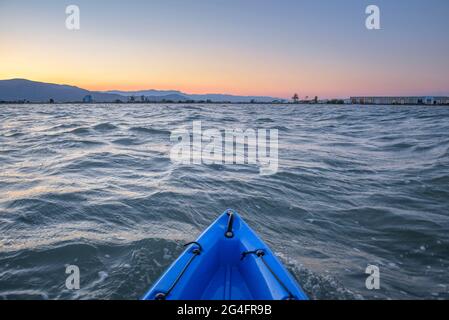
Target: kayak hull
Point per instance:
(227, 262)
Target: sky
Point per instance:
(245, 47)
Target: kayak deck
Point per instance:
(227, 262)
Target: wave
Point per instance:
(105, 127)
(152, 131)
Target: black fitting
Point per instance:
(196, 251)
(229, 233)
(160, 296)
(260, 253)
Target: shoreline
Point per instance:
(221, 103)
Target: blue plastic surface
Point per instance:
(220, 273)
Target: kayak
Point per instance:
(227, 262)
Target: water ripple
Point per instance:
(93, 185)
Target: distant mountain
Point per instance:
(197, 97)
(146, 93)
(168, 97)
(33, 91)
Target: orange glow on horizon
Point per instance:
(97, 68)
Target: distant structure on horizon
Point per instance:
(423, 100)
(88, 99)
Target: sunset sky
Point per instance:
(245, 47)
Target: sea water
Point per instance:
(94, 186)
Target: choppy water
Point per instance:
(93, 185)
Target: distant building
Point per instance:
(88, 99)
(401, 100)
